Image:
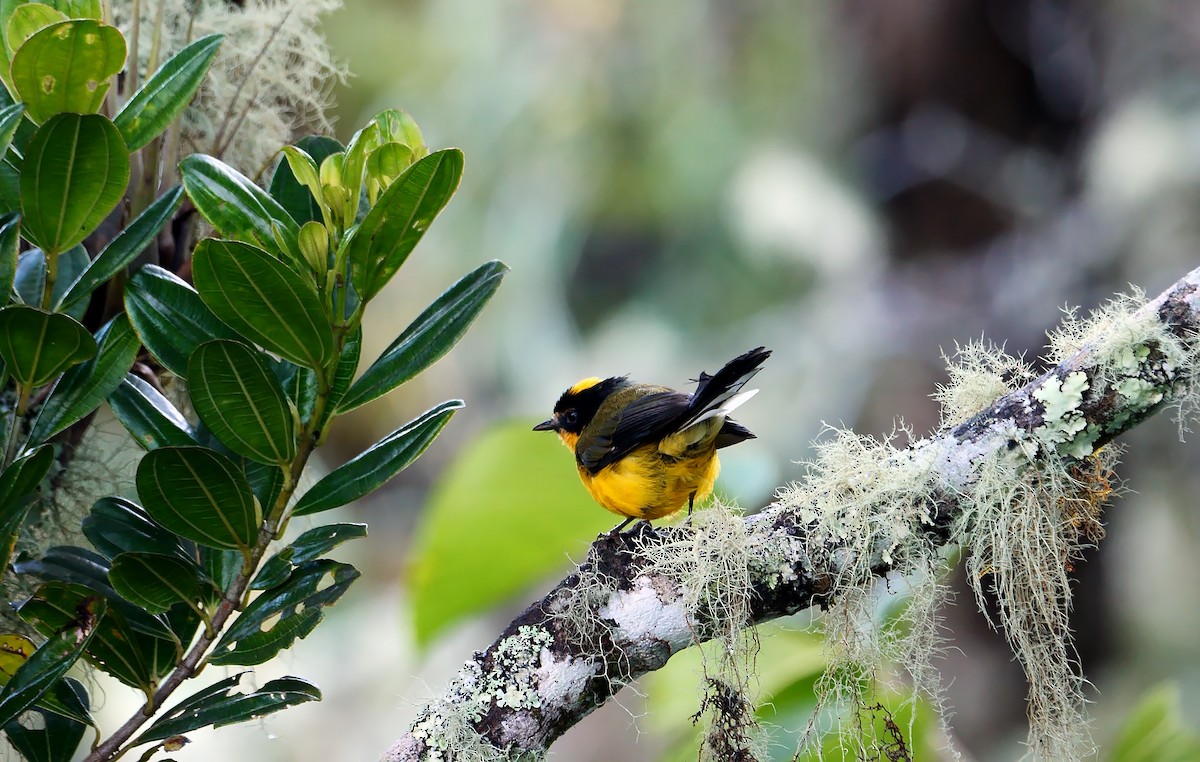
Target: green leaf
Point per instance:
(307, 547)
(18, 484)
(429, 337)
(30, 282)
(27, 20)
(264, 300)
(217, 705)
(153, 581)
(148, 416)
(170, 317)
(37, 345)
(400, 218)
(80, 9)
(1156, 731)
(10, 239)
(199, 494)
(120, 650)
(275, 619)
(456, 572)
(10, 188)
(124, 248)
(81, 389)
(10, 119)
(167, 92)
(50, 662)
(66, 66)
(290, 193)
(378, 463)
(52, 739)
(75, 173)
(385, 163)
(116, 525)
(238, 208)
(239, 399)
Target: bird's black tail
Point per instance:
(714, 391)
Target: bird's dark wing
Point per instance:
(645, 419)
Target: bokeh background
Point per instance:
(860, 186)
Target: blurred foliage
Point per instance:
(1156, 730)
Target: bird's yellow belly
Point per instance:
(644, 485)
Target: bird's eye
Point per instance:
(571, 417)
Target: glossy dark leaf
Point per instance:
(10, 239)
(148, 416)
(307, 547)
(153, 581)
(75, 173)
(263, 299)
(38, 345)
(170, 317)
(238, 208)
(18, 484)
(166, 93)
(50, 662)
(130, 656)
(124, 248)
(116, 525)
(239, 399)
(81, 389)
(429, 337)
(379, 463)
(277, 617)
(400, 217)
(10, 119)
(291, 195)
(54, 739)
(221, 566)
(65, 67)
(199, 494)
(218, 705)
(30, 282)
(10, 187)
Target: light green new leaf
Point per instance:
(199, 494)
(75, 172)
(264, 300)
(82, 388)
(400, 218)
(170, 317)
(239, 399)
(297, 199)
(166, 93)
(38, 345)
(153, 581)
(27, 20)
(429, 337)
(66, 67)
(511, 487)
(148, 416)
(238, 208)
(217, 705)
(124, 248)
(378, 463)
(1155, 730)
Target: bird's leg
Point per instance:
(617, 529)
(691, 503)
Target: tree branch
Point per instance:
(547, 671)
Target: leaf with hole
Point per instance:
(275, 619)
(399, 219)
(429, 337)
(50, 662)
(218, 705)
(51, 738)
(38, 345)
(238, 208)
(239, 399)
(264, 300)
(307, 547)
(378, 463)
(81, 389)
(75, 173)
(166, 93)
(199, 494)
(170, 317)
(65, 67)
(149, 416)
(154, 581)
(124, 248)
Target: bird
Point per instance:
(643, 450)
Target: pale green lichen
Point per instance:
(979, 373)
(511, 683)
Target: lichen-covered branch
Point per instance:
(872, 510)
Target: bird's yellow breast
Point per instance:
(646, 485)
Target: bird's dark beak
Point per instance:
(546, 425)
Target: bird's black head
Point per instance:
(578, 405)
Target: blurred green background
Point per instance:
(857, 185)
